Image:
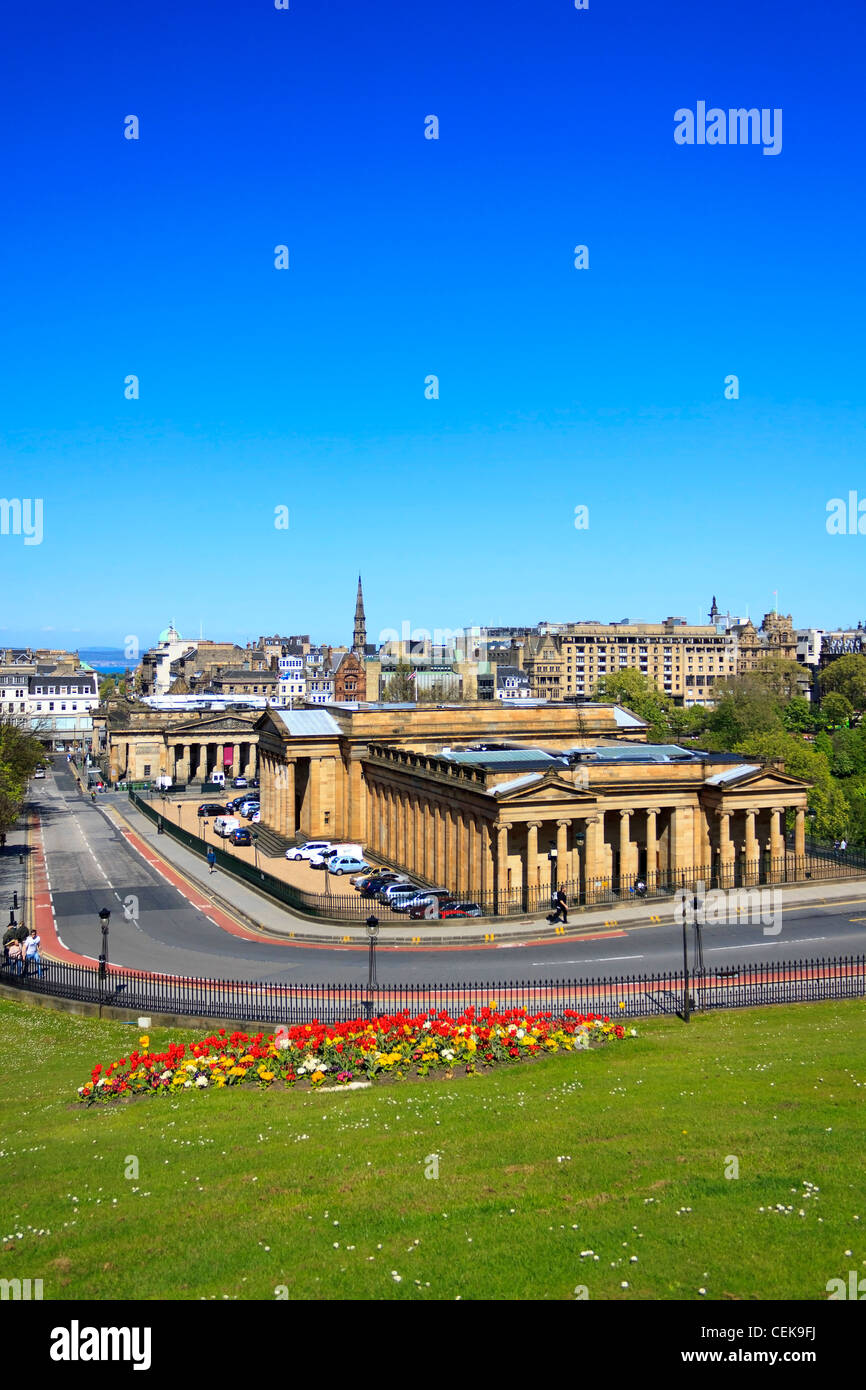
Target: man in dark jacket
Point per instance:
(561, 905)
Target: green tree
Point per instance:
(836, 710)
(20, 755)
(847, 676)
(638, 693)
(399, 687)
(826, 798)
(745, 705)
(798, 716)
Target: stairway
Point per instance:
(270, 843)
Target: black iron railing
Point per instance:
(344, 904)
(635, 996)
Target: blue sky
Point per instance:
(409, 257)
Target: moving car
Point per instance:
(240, 836)
(345, 864)
(309, 850)
(40, 772)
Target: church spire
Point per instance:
(359, 641)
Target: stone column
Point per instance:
(594, 870)
(476, 857)
(652, 845)
(289, 814)
(627, 850)
(501, 865)
(220, 750)
(531, 877)
(726, 850)
(800, 835)
(777, 844)
(562, 864)
(752, 852)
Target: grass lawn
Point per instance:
(622, 1152)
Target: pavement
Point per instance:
(13, 875)
(261, 911)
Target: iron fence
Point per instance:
(629, 997)
(819, 863)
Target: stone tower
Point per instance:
(715, 615)
(359, 641)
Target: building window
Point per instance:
(147, 769)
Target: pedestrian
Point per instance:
(10, 935)
(211, 858)
(561, 906)
(835, 849)
(15, 956)
(3, 840)
(31, 952)
(22, 935)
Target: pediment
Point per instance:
(762, 779)
(219, 724)
(545, 790)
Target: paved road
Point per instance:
(90, 866)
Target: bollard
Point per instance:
(14, 899)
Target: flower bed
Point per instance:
(340, 1053)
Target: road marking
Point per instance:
(594, 960)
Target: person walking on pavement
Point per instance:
(211, 858)
(843, 845)
(10, 935)
(561, 905)
(31, 952)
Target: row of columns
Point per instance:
(277, 780)
(210, 756)
(443, 843)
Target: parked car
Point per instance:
(256, 817)
(247, 804)
(211, 808)
(253, 782)
(387, 893)
(423, 908)
(250, 809)
(402, 902)
(240, 782)
(224, 825)
(345, 864)
(312, 847)
(455, 909)
(240, 836)
(218, 777)
(428, 895)
(379, 880)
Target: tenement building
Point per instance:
(481, 799)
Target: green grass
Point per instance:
(240, 1191)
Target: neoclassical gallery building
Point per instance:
(477, 798)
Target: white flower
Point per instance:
(201, 1081)
(398, 1278)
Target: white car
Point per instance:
(311, 850)
(40, 772)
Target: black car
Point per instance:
(372, 886)
(252, 781)
(210, 808)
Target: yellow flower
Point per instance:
(266, 1075)
(492, 1005)
(621, 1004)
(316, 1077)
(144, 1042)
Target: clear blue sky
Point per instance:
(305, 388)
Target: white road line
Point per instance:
(585, 960)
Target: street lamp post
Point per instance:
(552, 855)
(256, 847)
(372, 932)
(104, 919)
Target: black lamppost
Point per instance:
(256, 847)
(104, 919)
(372, 932)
